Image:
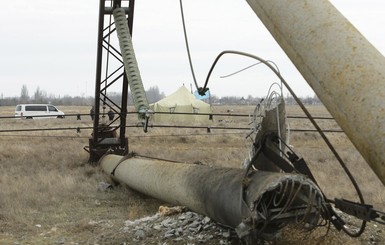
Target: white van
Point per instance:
(29, 111)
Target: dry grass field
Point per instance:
(49, 194)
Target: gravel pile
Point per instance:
(184, 228)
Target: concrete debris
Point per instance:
(140, 234)
(188, 227)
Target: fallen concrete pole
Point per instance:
(258, 204)
(345, 71)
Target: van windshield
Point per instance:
(52, 108)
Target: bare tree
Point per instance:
(153, 94)
(24, 96)
(39, 95)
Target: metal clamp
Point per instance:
(361, 211)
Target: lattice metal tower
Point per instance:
(109, 135)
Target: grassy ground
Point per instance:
(49, 194)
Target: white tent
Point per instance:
(181, 101)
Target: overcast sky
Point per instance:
(51, 44)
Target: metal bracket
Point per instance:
(361, 211)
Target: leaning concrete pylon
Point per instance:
(345, 71)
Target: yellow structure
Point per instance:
(171, 108)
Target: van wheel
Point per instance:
(60, 117)
(28, 118)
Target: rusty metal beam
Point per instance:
(345, 71)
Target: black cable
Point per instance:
(44, 136)
(314, 130)
(312, 120)
(187, 45)
(183, 135)
(158, 126)
(248, 67)
(194, 127)
(176, 113)
(314, 117)
(127, 126)
(136, 136)
(154, 158)
(40, 129)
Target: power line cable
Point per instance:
(175, 113)
(187, 45)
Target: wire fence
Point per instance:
(208, 128)
(210, 115)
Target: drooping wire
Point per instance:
(127, 126)
(248, 67)
(187, 45)
(309, 116)
(237, 53)
(179, 113)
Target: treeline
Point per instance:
(153, 94)
(250, 100)
(41, 97)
